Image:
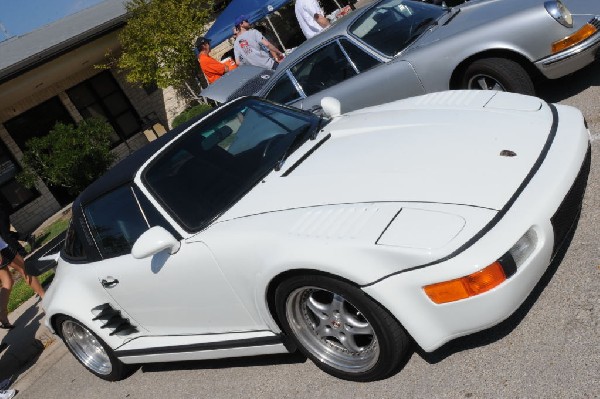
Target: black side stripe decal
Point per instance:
(502, 212)
(238, 343)
(308, 154)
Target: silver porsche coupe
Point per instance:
(395, 49)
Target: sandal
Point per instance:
(6, 326)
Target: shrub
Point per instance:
(190, 113)
(69, 156)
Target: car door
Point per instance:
(183, 293)
(344, 70)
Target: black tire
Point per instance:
(353, 338)
(498, 74)
(90, 351)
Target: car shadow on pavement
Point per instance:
(212, 364)
(23, 348)
(501, 330)
(568, 86)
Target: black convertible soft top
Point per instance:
(124, 171)
(120, 174)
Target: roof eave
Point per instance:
(62, 48)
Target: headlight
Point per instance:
(524, 247)
(559, 12)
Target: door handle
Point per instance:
(109, 282)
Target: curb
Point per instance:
(48, 358)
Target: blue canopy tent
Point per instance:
(255, 10)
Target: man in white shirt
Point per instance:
(311, 17)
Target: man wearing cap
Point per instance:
(211, 68)
(247, 46)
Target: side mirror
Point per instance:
(153, 241)
(331, 106)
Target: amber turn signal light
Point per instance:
(464, 287)
(586, 31)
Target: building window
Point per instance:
(150, 88)
(37, 121)
(102, 97)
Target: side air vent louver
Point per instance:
(113, 320)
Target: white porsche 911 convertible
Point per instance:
(261, 229)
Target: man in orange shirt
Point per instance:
(211, 68)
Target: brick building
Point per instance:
(49, 75)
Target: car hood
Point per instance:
(472, 148)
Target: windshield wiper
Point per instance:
(451, 17)
(424, 23)
(299, 138)
(418, 29)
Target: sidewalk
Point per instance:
(26, 341)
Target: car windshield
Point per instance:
(217, 161)
(393, 24)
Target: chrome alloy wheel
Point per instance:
(332, 329)
(86, 347)
(484, 82)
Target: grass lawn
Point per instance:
(50, 232)
(22, 292)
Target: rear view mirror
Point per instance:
(153, 241)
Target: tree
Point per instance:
(69, 156)
(158, 40)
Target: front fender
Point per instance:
(346, 240)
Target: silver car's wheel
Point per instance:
(332, 329)
(499, 74)
(484, 82)
(340, 328)
(90, 350)
(86, 347)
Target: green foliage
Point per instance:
(158, 40)
(22, 292)
(69, 156)
(190, 113)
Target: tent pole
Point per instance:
(276, 34)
